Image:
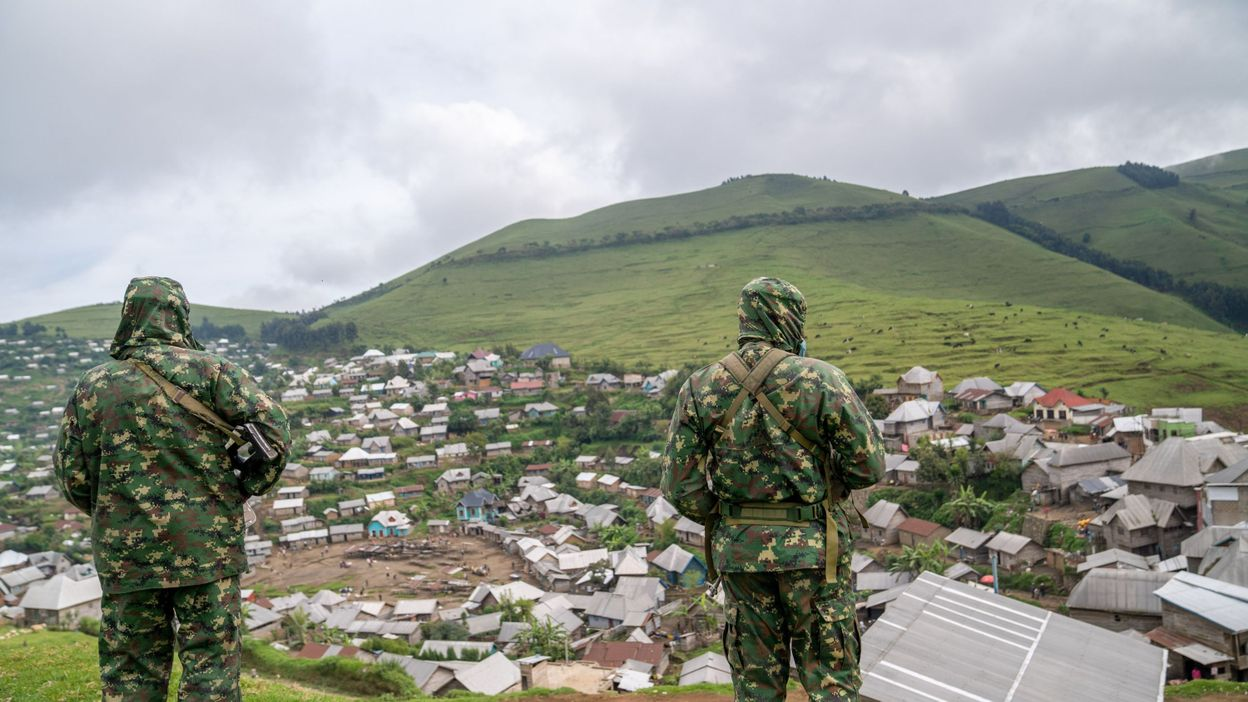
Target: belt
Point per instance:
(771, 513)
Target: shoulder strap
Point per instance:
(751, 384)
(188, 401)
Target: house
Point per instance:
(613, 654)
(1208, 619)
(679, 568)
(377, 444)
(356, 457)
(1024, 393)
(608, 482)
(586, 480)
(1118, 599)
(292, 491)
(933, 643)
(295, 472)
(979, 383)
(479, 505)
(914, 531)
(493, 676)
(602, 381)
(451, 454)
(488, 415)
(537, 410)
(526, 387)
(900, 469)
(41, 493)
(558, 358)
(883, 518)
(1014, 551)
(15, 582)
(408, 492)
(912, 419)
(423, 461)
(294, 524)
(660, 511)
(61, 601)
(600, 515)
(323, 474)
(435, 409)
(1057, 406)
(1174, 469)
(346, 532)
(377, 500)
(434, 432)
(498, 448)
(689, 531)
(288, 508)
(1143, 525)
(365, 475)
(414, 610)
(969, 545)
(1224, 501)
(710, 668)
(389, 523)
(347, 508)
(983, 401)
(1057, 472)
(916, 383)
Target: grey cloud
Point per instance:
(347, 144)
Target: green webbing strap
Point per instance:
(751, 384)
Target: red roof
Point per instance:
(527, 385)
(538, 467)
(612, 654)
(548, 529)
(1063, 396)
(922, 527)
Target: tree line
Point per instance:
(1224, 303)
(1148, 176)
(298, 334)
(797, 215)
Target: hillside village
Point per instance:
(491, 521)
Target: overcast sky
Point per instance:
(284, 154)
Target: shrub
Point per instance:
(89, 626)
(335, 673)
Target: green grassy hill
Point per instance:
(1110, 212)
(886, 293)
(100, 321)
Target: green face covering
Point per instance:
(772, 311)
(155, 312)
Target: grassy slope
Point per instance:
(1226, 170)
(775, 193)
(100, 321)
(917, 280)
(63, 666)
(1131, 222)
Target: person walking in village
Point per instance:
(165, 499)
(763, 449)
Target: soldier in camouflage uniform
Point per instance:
(772, 496)
(165, 502)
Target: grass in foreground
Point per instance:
(1198, 689)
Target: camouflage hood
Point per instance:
(155, 313)
(771, 311)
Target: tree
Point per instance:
(516, 610)
(444, 631)
(916, 559)
(616, 536)
(665, 535)
(544, 638)
(968, 509)
(295, 624)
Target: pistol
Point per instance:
(253, 450)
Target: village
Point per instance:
(491, 522)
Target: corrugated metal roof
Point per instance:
(968, 538)
(1007, 542)
(942, 640)
(881, 513)
(1222, 603)
(1126, 591)
(1184, 462)
(1114, 557)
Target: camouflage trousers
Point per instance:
(772, 615)
(138, 635)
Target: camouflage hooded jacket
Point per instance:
(754, 460)
(166, 506)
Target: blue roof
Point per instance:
(542, 351)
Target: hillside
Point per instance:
(100, 321)
(1111, 213)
